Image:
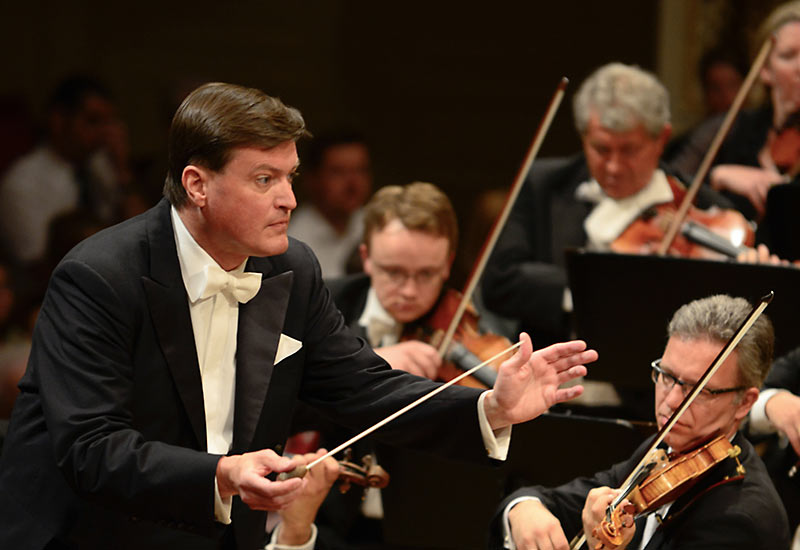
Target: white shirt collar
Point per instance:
(193, 259)
(375, 315)
(610, 217)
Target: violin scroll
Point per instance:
(367, 474)
(610, 533)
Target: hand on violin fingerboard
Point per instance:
(414, 357)
(533, 526)
(528, 383)
(760, 255)
(297, 517)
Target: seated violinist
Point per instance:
(725, 508)
(622, 115)
(410, 236)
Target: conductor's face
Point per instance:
(244, 208)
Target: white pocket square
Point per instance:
(286, 346)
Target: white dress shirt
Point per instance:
(610, 217)
(215, 321)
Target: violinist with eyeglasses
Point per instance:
(409, 243)
(732, 505)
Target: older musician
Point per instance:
(723, 510)
(622, 115)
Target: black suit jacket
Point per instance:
(779, 456)
(744, 514)
(107, 444)
(350, 296)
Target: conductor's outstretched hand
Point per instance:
(528, 383)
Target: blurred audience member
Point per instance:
(722, 71)
(337, 182)
(17, 130)
(82, 163)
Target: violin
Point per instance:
(669, 477)
(784, 146)
(469, 347)
(367, 474)
(705, 234)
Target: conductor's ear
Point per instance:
(195, 181)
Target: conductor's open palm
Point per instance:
(528, 383)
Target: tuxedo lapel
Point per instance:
(169, 309)
(260, 324)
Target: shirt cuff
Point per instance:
(222, 507)
(760, 424)
(308, 545)
(508, 541)
(495, 441)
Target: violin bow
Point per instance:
(751, 318)
(491, 240)
(722, 132)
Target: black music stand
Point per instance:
(780, 228)
(623, 303)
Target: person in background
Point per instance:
(83, 163)
(588, 200)
(337, 181)
(746, 166)
(410, 237)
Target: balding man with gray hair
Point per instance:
(623, 118)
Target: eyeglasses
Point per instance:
(668, 381)
(398, 276)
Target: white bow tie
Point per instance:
(240, 286)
